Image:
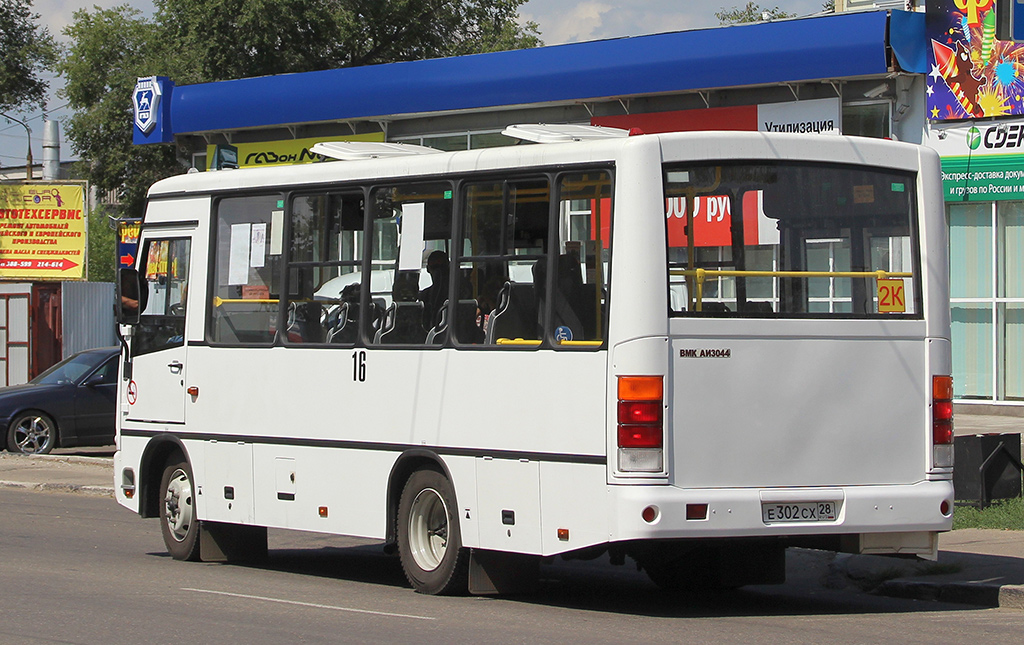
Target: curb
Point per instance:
(68, 459)
(102, 491)
(966, 593)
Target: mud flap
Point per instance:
(219, 542)
(495, 572)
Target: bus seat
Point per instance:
(588, 311)
(515, 314)
(759, 307)
(307, 325)
(466, 329)
(436, 335)
(568, 294)
(345, 327)
(403, 324)
(714, 307)
(335, 321)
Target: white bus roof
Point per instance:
(677, 145)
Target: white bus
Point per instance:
(691, 349)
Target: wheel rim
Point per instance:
(178, 504)
(32, 434)
(428, 529)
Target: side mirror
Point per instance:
(94, 380)
(127, 301)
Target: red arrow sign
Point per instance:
(127, 260)
(62, 264)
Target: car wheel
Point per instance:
(178, 522)
(32, 433)
(429, 539)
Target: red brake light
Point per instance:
(942, 410)
(640, 412)
(640, 436)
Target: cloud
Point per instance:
(565, 21)
(583, 21)
(55, 15)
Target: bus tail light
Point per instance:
(641, 428)
(942, 421)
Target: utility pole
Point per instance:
(28, 132)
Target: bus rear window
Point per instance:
(791, 240)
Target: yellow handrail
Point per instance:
(218, 301)
(703, 274)
(535, 343)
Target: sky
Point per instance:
(560, 21)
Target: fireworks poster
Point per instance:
(973, 75)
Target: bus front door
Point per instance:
(156, 392)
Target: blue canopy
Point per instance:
(835, 46)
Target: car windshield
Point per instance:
(70, 370)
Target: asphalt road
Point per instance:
(80, 569)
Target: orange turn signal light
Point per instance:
(640, 388)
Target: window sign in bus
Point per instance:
(790, 241)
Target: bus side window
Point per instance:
(325, 246)
(247, 270)
(410, 278)
(579, 289)
(504, 235)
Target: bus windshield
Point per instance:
(791, 240)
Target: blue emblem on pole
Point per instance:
(146, 99)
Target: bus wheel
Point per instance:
(429, 540)
(178, 521)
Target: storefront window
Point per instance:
(1013, 351)
(972, 351)
(970, 251)
(1011, 229)
(986, 242)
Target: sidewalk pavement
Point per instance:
(58, 472)
(975, 566)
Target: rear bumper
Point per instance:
(738, 512)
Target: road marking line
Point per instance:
(307, 604)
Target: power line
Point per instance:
(34, 118)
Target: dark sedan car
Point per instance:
(70, 404)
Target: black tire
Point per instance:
(32, 433)
(682, 570)
(429, 538)
(178, 522)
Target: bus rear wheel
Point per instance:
(429, 539)
(178, 522)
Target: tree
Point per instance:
(753, 12)
(197, 41)
(110, 48)
(102, 244)
(25, 51)
(283, 36)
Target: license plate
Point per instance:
(798, 512)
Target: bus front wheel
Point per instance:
(429, 539)
(178, 522)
